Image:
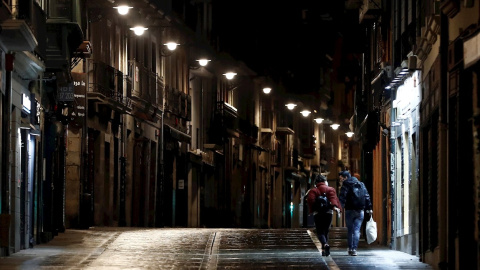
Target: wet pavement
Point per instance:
(193, 248)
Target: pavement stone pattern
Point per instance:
(377, 258)
(112, 248)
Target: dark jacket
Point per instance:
(321, 188)
(344, 191)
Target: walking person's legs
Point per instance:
(349, 220)
(324, 221)
(322, 226)
(356, 225)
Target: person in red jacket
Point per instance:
(323, 221)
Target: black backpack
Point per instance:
(322, 204)
(357, 195)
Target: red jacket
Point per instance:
(320, 189)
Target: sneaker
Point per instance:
(349, 252)
(353, 253)
(327, 250)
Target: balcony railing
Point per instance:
(107, 82)
(178, 103)
(146, 85)
(227, 114)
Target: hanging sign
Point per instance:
(78, 112)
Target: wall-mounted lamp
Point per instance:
(349, 134)
(138, 30)
(334, 126)
(318, 120)
(267, 90)
(230, 75)
(305, 113)
(171, 45)
(203, 62)
(123, 9)
(291, 106)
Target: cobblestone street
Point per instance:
(143, 248)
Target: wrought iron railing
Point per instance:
(146, 85)
(108, 82)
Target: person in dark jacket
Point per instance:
(354, 212)
(323, 221)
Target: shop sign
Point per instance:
(65, 92)
(78, 112)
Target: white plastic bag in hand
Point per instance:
(371, 229)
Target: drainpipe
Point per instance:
(123, 173)
(159, 217)
(162, 168)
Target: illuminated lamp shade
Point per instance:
(318, 120)
(334, 126)
(290, 106)
(230, 75)
(171, 45)
(349, 134)
(203, 62)
(267, 90)
(138, 30)
(123, 9)
(305, 113)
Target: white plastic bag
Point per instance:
(371, 229)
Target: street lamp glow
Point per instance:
(334, 126)
(305, 113)
(171, 45)
(291, 106)
(138, 30)
(318, 120)
(203, 62)
(230, 75)
(267, 90)
(349, 134)
(123, 9)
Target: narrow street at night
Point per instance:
(185, 248)
(215, 134)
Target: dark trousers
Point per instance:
(323, 221)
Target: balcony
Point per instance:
(147, 87)
(146, 90)
(64, 33)
(178, 104)
(227, 118)
(284, 122)
(225, 124)
(106, 86)
(17, 32)
(200, 157)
